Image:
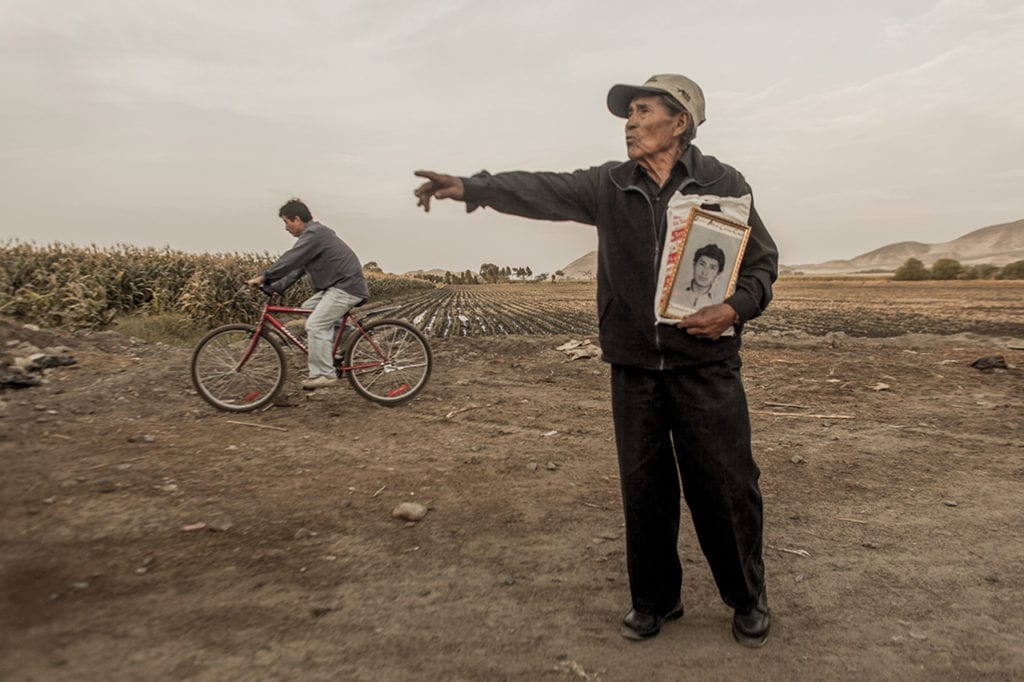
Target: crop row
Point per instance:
(492, 310)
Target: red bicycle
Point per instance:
(242, 367)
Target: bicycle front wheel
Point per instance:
(230, 377)
(390, 363)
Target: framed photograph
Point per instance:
(700, 263)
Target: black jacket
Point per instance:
(631, 235)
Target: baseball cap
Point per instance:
(680, 88)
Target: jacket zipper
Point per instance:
(657, 259)
(654, 231)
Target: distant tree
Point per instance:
(911, 270)
(983, 271)
(490, 272)
(541, 277)
(447, 277)
(946, 268)
(558, 273)
(1014, 270)
(372, 267)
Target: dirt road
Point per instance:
(893, 476)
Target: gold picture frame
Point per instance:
(698, 241)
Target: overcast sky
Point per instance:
(188, 123)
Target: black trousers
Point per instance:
(688, 424)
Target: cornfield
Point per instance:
(60, 285)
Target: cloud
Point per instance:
(899, 148)
(144, 120)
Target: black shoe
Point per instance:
(751, 628)
(639, 625)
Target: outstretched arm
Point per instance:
(438, 186)
(541, 196)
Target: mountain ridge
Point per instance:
(995, 244)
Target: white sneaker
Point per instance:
(319, 382)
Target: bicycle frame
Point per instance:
(267, 319)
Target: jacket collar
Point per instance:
(628, 173)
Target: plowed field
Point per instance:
(857, 307)
(146, 536)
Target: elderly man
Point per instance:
(678, 404)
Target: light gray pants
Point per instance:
(329, 306)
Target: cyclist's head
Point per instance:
(295, 209)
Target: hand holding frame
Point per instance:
(709, 322)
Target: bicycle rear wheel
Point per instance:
(223, 380)
(390, 363)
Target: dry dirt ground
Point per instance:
(893, 521)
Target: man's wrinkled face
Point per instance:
(705, 270)
(651, 129)
(294, 226)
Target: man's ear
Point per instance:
(682, 121)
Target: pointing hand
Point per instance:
(438, 186)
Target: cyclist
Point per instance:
(335, 275)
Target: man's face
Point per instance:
(294, 226)
(651, 129)
(704, 271)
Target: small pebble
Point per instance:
(410, 511)
(951, 503)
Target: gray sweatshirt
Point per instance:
(321, 254)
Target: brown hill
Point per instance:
(583, 268)
(995, 244)
(436, 271)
